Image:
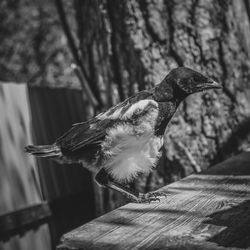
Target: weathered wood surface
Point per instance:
(19, 182)
(203, 211)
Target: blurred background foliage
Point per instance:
(118, 48)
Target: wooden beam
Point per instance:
(21, 220)
(210, 210)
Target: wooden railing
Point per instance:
(21, 220)
(210, 210)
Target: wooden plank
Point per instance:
(210, 210)
(19, 183)
(20, 220)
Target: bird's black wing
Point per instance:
(94, 130)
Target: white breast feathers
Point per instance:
(128, 155)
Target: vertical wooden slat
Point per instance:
(17, 185)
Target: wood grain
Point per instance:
(210, 210)
(19, 180)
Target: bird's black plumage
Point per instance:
(127, 139)
(93, 131)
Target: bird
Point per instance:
(126, 140)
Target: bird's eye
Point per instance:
(191, 80)
(195, 79)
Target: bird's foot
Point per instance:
(133, 196)
(150, 197)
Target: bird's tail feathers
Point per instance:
(49, 151)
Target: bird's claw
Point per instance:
(158, 194)
(151, 197)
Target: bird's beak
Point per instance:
(211, 84)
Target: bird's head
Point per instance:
(181, 82)
(187, 81)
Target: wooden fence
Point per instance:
(18, 178)
(39, 199)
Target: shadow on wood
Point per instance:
(236, 221)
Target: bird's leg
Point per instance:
(103, 179)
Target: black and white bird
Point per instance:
(127, 139)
